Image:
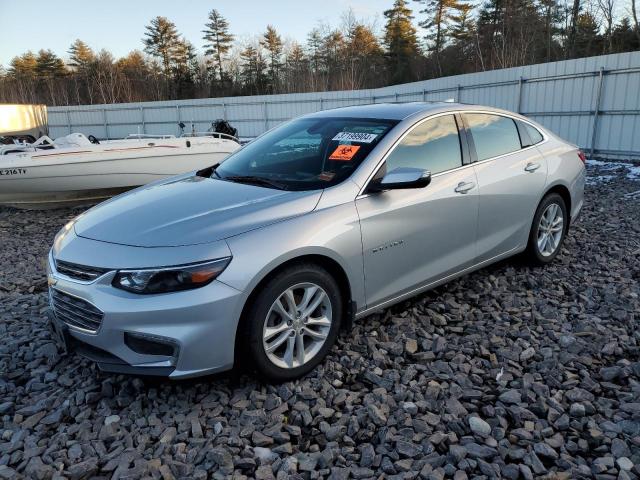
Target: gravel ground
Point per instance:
(509, 372)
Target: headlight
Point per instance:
(170, 279)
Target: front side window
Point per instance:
(306, 154)
(492, 135)
(434, 145)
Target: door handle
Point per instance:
(532, 167)
(464, 187)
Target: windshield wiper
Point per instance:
(250, 179)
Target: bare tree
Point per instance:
(634, 14)
(605, 8)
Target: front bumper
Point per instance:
(199, 324)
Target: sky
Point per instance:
(118, 25)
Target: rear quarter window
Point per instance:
(534, 134)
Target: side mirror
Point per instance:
(401, 178)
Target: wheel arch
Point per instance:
(330, 264)
(565, 193)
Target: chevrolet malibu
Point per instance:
(316, 223)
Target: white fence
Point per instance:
(593, 102)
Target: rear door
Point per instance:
(413, 237)
(511, 176)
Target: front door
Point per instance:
(414, 237)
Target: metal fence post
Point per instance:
(144, 129)
(424, 95)
(321, 103)
(594, 132)
(396, 100)
(106, 125)
(69, 121)
(266, 117)
(224, 111)
(520, 82)
(458, 88)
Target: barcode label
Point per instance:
(355, 137)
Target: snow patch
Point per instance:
(596, 171)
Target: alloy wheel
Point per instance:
(297, 325)
(550, 230)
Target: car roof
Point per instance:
(401, 111)
(391, 111)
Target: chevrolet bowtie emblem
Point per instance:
(51, 281)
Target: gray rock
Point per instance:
(408, 449)
(479, 426)
(545, 450)
(624, 464)
(475, 450)
(510, 397)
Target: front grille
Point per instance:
(74, 311)
(79, 272)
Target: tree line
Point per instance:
(460, 38)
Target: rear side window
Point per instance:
(534, 134)
(492, 135)
(433, 145)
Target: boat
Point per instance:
(78, 169)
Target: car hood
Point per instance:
(190, 210)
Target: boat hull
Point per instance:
(59, 178)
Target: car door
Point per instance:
(414, 237)
(510, 181)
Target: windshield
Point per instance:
(306, 154)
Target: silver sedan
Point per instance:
(316, 223)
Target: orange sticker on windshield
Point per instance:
(344, 152)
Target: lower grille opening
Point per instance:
(147, 345)
(93, 353)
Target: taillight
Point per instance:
(582, 156)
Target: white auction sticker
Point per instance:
(355, 137)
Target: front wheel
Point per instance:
(548, 230)
(293, 322)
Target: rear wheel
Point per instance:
(548, 230)
(293, 322)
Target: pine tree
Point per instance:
(462, 26)
(252, 70)
(219, 40)
(400, 41)
(161, 41)
(332, 55)
(588, 40)
(624, 38)
(48, 64)
(364, 56)
(133, 65)
(272, 42)
(441, 14)
(184, 66)
(80, 55)
(314, 44)
(296, 67)
(363, 42)
(24, 66)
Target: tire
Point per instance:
(538, 251)
(278, 366)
